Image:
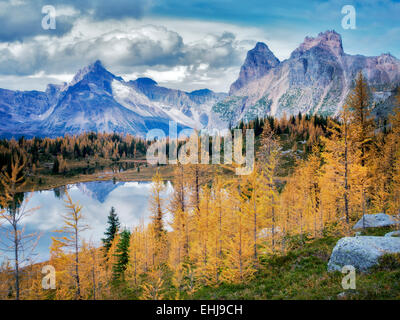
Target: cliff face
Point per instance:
(257, 64)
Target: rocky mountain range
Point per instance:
(97, 100)
(316, 78)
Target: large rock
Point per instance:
(361, 252)
(376, 220)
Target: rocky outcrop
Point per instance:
(361, 252)
(330, 41)
(375, 221)
(258, 62)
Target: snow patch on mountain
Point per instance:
(131, 99)
(97, 100)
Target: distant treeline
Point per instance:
(39, 151)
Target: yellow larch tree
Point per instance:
(218, 230)
(71, 238)
(201, 238)
(61, 261)
(14, 210)
(92, 271)
(137, 255)
(344, 176)
(239, 249)
(108, 263)
(158, 231)
(386, 187)
(178, 206)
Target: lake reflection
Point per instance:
(130, 200)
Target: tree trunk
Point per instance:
(346, 187)
(255, 229)
(78, 287)
(16, 248)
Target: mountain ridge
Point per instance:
(97, 100)
(316, 78)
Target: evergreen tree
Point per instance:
(122, 255)
(56, 166)
(113, 226)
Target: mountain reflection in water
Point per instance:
(130, 200)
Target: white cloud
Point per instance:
(67, 11)
(63, 77)
(184, 54)
(176, 74)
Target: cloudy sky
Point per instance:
(186, 44)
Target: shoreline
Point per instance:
(56, 181)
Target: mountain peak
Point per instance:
(387, 58)
(98, 63)
(329, 39)
(315, 79)
(262, 49)
(259, 61)
(94, 71)
(96, 67)
(260, 46)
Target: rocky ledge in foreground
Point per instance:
(375, 221)
(361, 252)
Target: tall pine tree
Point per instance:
(122, 255)
(113, 226)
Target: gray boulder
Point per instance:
(376, 220)
(393, 234)
(361, 252)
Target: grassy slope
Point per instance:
(302, 274)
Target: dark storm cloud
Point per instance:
(23, 19)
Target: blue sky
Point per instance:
(378, 22)
(181, 44)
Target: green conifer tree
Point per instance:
(113, 226)
(122, 255)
